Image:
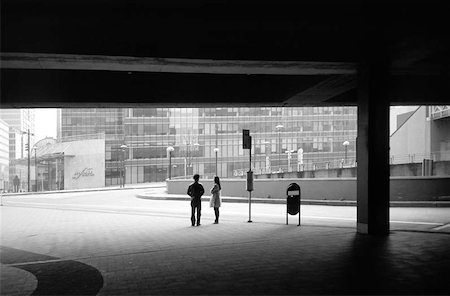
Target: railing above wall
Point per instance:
(419, 157)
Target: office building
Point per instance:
(4, 155)
(283, 139)
(20, 121)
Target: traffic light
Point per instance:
(26, 147)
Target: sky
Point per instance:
(45, 124)
(396, 110)
(46, 120)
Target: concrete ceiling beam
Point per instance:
(325, 90)
(44, 61)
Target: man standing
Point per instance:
(195, 191)
(16, 183)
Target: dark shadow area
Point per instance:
(351, 265)
(394, 264)
(65, 277)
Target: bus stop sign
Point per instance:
(293, 201)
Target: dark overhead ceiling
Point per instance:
(98, 87)
(412, 36)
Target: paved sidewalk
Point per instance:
(53, 251)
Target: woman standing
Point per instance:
(215, 201)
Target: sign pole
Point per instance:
(287, 221)
(299, 202)
(247, 144)
(250, 188)
(28, 159)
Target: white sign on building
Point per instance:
(84, 164)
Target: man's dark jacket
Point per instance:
(195, 191)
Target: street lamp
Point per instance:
(27, 148)
(169, 150)
(35, 169)
(279, 127)
(216, 150)
(123, 147)
(346, 143)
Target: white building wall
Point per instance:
(86, 169)
(411, 142)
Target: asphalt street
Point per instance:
(125, 202)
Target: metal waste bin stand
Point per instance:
(293, 201)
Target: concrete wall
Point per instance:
(441, 168)
(86, 169)
(419, 188)
(401, 188)
(407, 169)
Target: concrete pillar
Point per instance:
(373, 146)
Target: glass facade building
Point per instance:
(283, 139)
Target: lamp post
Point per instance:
(27, 148)
(216, 150)
(346, 143)
(279, 127)
(123, 147)
(267, 156)
(169, 150)
(35, 169)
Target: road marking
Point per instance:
(414, 222)
(442, 227)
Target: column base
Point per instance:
(362, 228)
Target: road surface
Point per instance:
(125, 202)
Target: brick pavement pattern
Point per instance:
(138, 254)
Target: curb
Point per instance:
(428, 204)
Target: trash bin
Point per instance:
(293, 193)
